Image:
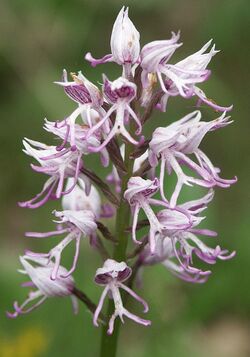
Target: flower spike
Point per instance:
(110, 119)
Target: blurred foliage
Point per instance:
(40, 38)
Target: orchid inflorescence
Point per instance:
(109, 122)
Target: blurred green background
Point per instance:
(40, 38)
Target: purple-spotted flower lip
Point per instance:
(75, 90)
(81, 90)
(112, 270)
(140, 186)
(120, 89)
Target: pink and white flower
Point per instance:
(176, 253)
(58, 167)
(112, 275)
(118, 94)
(181, 78)
(139, 195)
(173, 144)
(175, 248)
(77, 224)
(39, 269)
(81, 90)
(155, 55)
(81, 144)
(89, 100)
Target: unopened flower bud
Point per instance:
(124, 42)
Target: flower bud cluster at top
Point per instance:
(107, 121)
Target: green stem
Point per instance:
(109, 343)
